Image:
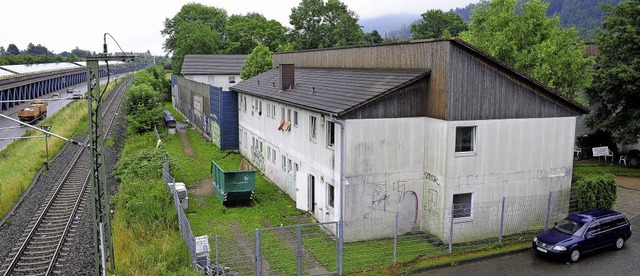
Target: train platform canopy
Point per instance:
(35, 68)
(5, 73)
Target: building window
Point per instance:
(462, 205)
(465, 139)
(268, 153)
(282, 114)
(260, 108)
(232, 79)
(312, 128)
(296, 167)
(330, 195)
(288, 114)
(245, 103)
(273, 111)
(295, 118)
(289, 167)
(273, 156)
(331, 135)
(284, 163)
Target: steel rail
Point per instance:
(69, 222)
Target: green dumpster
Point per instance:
(234, 186)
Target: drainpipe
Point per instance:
(342, 188)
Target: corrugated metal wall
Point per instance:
(229, 117)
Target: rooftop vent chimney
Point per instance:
(287, 76)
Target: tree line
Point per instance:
(519, 33)
(34, 54)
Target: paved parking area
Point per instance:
(628, 196)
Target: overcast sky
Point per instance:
(65, 24)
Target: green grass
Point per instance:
(587, 169)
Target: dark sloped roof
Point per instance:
(334, 91)
(213, 64)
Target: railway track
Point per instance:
(41, 249)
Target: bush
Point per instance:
(594, 191)
(143, 106)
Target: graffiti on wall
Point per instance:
(257, 157)
(431, 181)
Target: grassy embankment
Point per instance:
(21, 160)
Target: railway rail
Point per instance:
(41, 249)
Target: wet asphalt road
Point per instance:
(603, 262)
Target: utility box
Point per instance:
(185, 203)
(202, 250)
(181, 189)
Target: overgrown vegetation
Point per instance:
(146, 234)
(143, 101)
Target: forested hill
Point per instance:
(584, 15)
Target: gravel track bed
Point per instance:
(80, 258)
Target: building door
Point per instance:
(312, 194)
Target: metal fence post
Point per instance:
(258, 257)
(340, 246)
(501, 220)
(451, 231)
(546, 221)
(299, 253)
(217, 264)
(395, 241)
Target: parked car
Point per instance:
(71, 90)
(583, 232)
(76, 95)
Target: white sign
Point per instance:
(600, 151)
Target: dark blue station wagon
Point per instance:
(583, 232)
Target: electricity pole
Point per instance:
(102, 237)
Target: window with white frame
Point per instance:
(273, 111)
(284, 163)
(330, 195)
(268, 153)
(282, 114)
(296, 168)
(331, 135)
(245, 103)
(295, 118)
(260, 108)
(289, 166)
(465, 139)
(288, 114)
(462, 205)
(313, 128)
(232, 79)
(273, 156)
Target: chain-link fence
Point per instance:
(377, 239)
(450, 231)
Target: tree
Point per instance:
(259, 61)
(195, 38)
(2, 51)
(12, 49)
(615, 92)
(37, 50)
(243, 33)
(319, 25)
(373, 37)
(526, 39)
(190, 13)
(435, 23)
(81, 53)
